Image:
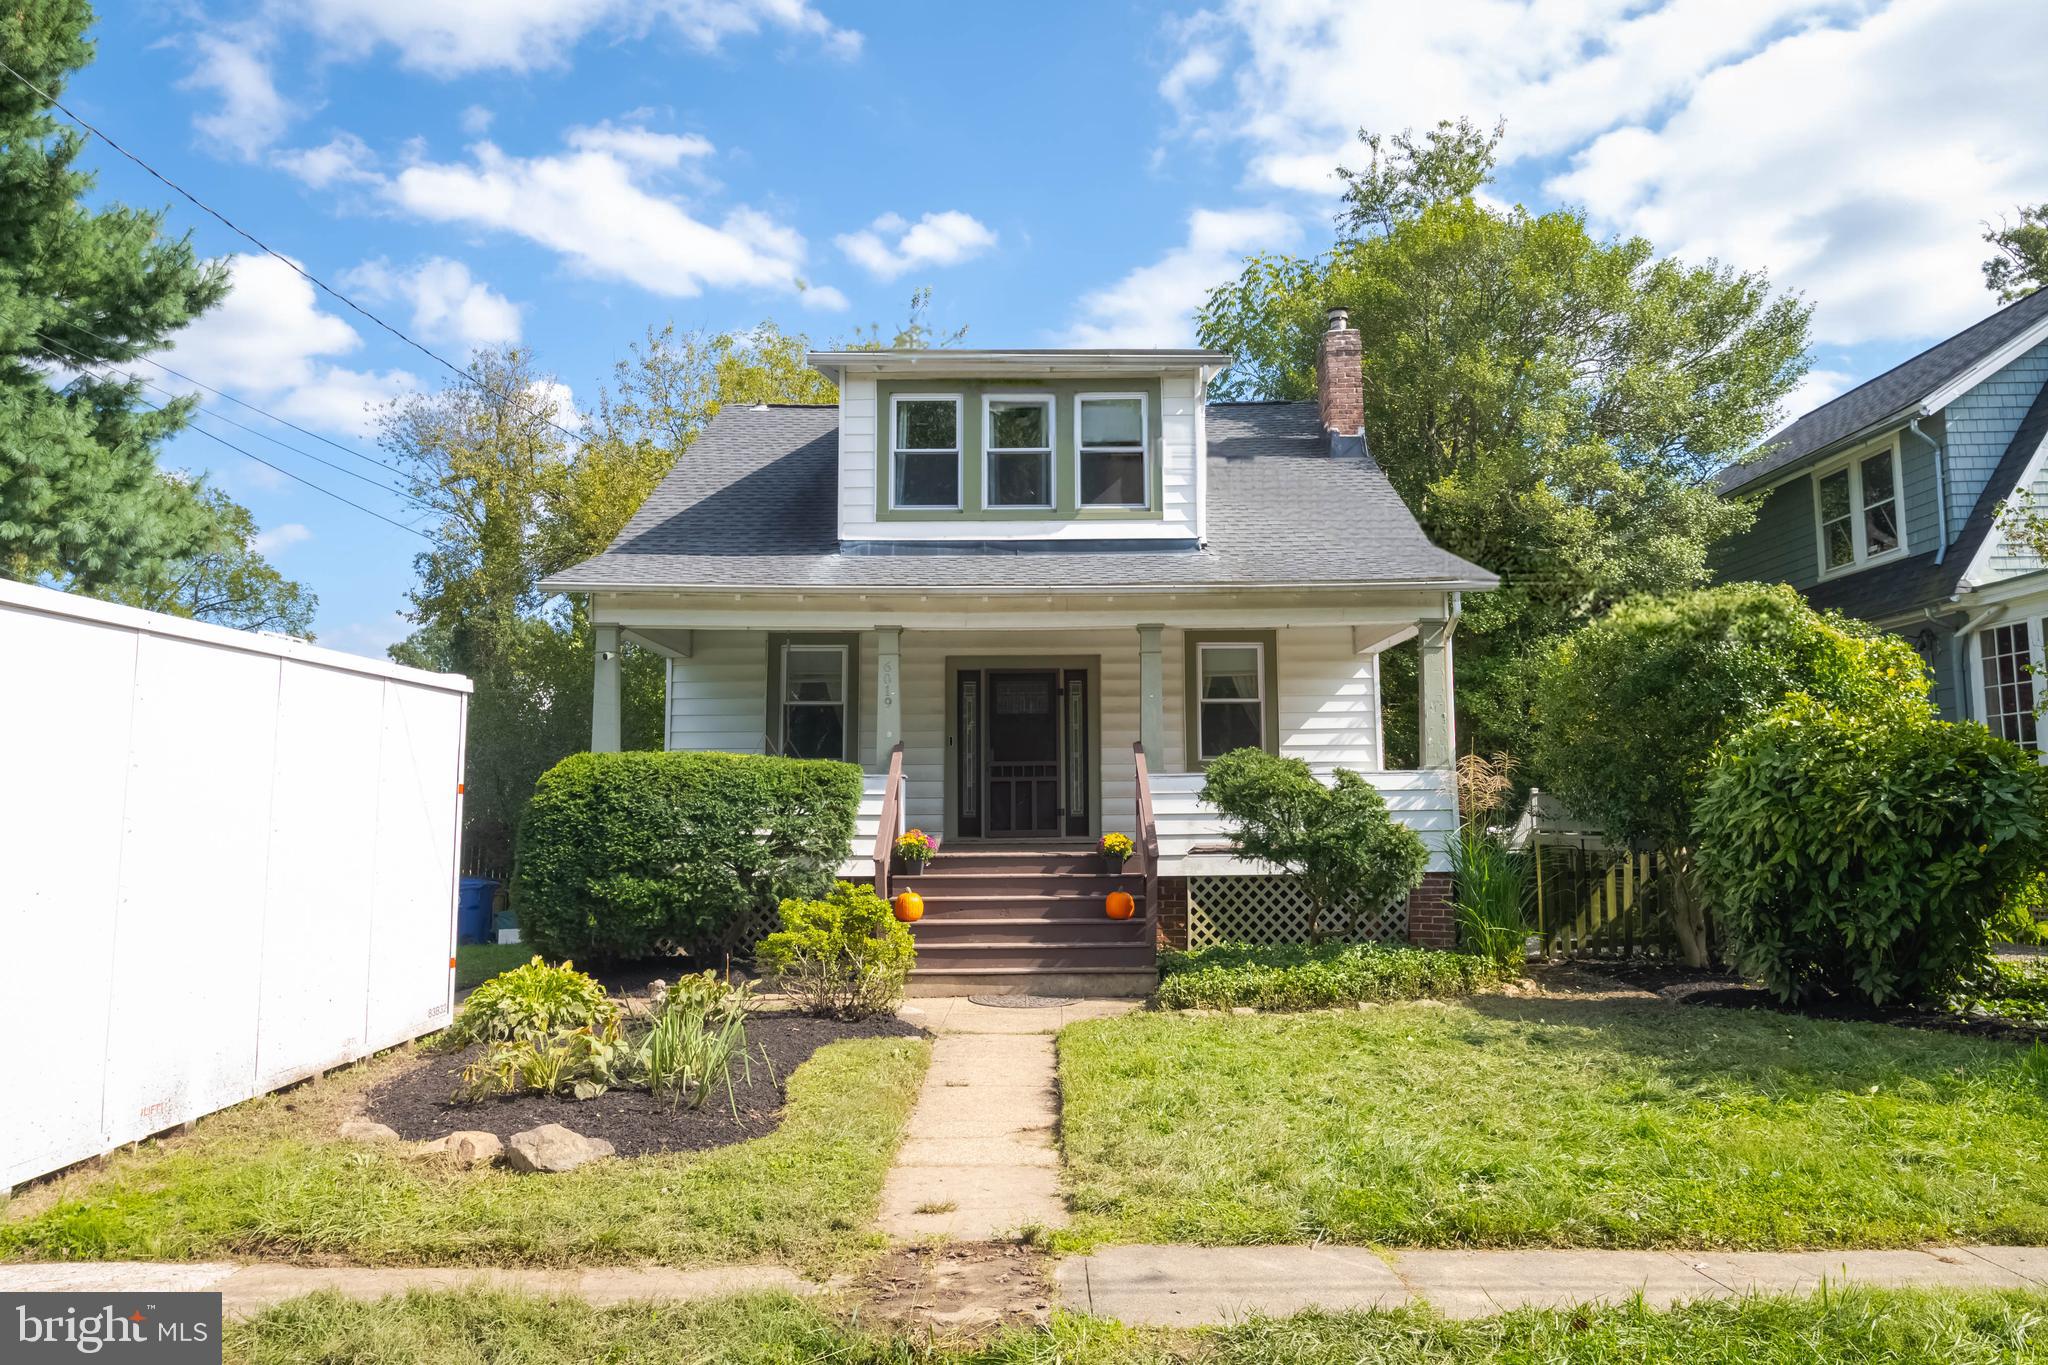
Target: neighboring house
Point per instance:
(1044, 587)
(1883, 504)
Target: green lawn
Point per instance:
(1515, 1121)
(476, 963)
(475, 1329)
(262, 1180)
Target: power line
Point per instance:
(267, 250)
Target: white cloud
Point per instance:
(342, 159)
(453, 37)
(936, 239)
(476, 120)
(235, 65)
(280, 538)
(600, 207)
(1815, 389)
(271, 343)
(1850, 147)
(822, 298)
(448, 303)
(1154, 305)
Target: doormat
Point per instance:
(1022, 1002)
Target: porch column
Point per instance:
(1151, 697)
(604, 699)
(1438, 732)
(888, 691)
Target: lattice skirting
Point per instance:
(1272, 910)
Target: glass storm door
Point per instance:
(1023, 754)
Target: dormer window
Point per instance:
(925, 455)
(1017, 436)
(1857, 504)
(1111, 449)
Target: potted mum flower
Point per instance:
(1118, 849)
(914, 847)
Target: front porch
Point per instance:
(1032, 726)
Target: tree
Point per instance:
(1337, 843)
(1552, 405)
(223, 579)
(1631, 709)
(82, 503)
(916, 333)
(2021, 265)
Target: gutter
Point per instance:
(1940, 488)
(1456, 586)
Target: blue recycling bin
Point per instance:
(473, 910)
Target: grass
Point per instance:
(474, 1328)
(265, 1180)
(1300, 977)
(1543, 1122)
(2017, 991)
(476, 963)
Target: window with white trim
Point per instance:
(1017, 438)
(1110, 443)
(2006, 656)
(1231, 679)
(924, 460)
(1857, 505)
(814, 701)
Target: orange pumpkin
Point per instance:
(1120, 905)
(909, 907)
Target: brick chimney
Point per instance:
(1340, 378)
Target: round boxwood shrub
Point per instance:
(621, 855)
(1867, 853)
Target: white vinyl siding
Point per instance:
(718, 696)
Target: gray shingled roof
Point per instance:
(754, 504)
(1892, 394)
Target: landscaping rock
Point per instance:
(551, 1147)
(467, 1148)
(367, 1130)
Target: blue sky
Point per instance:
(569, 172)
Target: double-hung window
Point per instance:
(1858, 506)
(1232, 700)
(814, 721)
(1110, 442)
(1017, 436)
(924, 462)
(2006, 655)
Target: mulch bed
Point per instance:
(1725, 990)
(419, 1104)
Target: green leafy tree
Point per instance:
(1552, 405)
(82, 503)
(1867, 851)
(916, 334)
(1630, 710)
(2021, 263)
(223, 579)
(1337, 843)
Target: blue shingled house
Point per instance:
(1883, 504)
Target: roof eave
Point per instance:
(1484, 583)
(837, 364)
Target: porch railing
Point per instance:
(1148, 842)
(888, 827)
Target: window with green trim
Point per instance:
(1017, 436)
(814, 693)
(1232, 698)
(1110, 444)
(925, 451)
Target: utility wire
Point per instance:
(267, 250)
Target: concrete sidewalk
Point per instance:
(249, 1289)
(1183, 1286)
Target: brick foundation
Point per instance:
(1173, 912)
(1431, 923)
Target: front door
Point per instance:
(1023, 753)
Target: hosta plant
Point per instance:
(536, 1001)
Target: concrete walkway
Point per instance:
(249, 1289)
(1182, 1286)
(977, 1161)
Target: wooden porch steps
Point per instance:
(1027, 921)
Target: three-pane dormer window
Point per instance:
(925, 456)
(1017, 436)
(1111, 449)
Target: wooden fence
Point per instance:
(1595, 901)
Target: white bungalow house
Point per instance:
(1031, 593)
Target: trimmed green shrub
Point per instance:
(532, 1001)
(2024, 916)
(1867, 853)
(1298, 977)
(1337, 843)
(1629, 710)
(622, 855)
(845, 956)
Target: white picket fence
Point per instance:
(227, 861)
